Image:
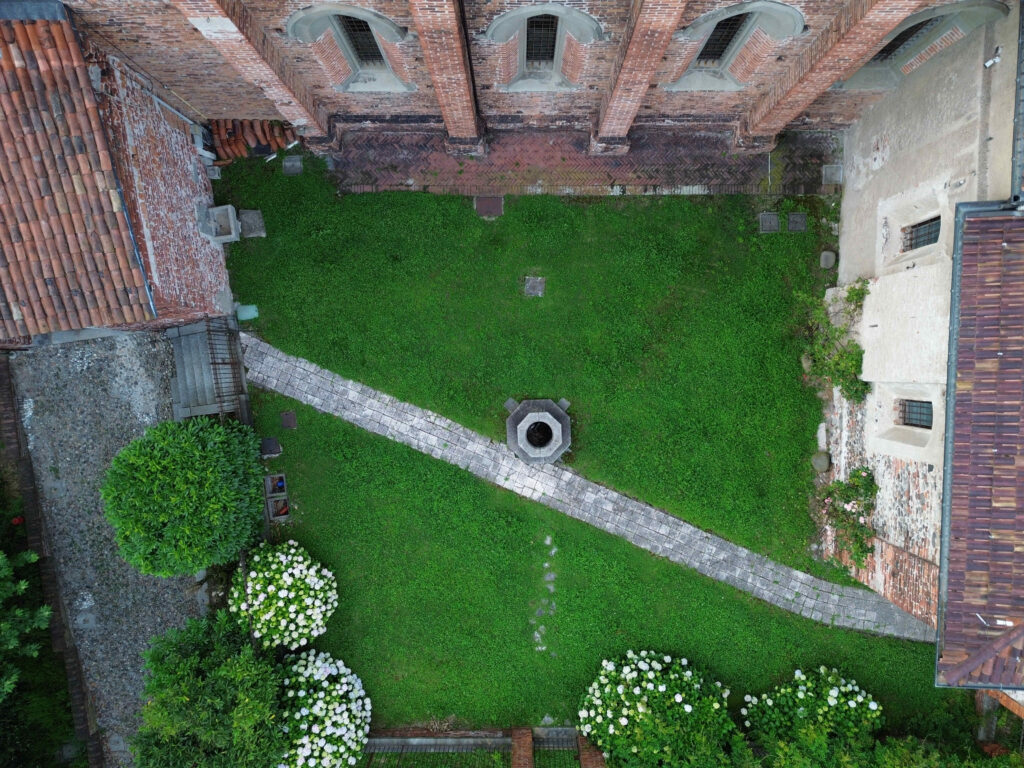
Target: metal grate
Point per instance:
(721, 37)
(916, 413)
(541, 36)
(895, 45)
(227, 368)
(921, 234)
(363, 43)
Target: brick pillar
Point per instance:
(590, 756)
(439, 26)
(649, 32)
(522, 748)
(216, 26)
(854, 36)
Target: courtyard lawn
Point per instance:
(441, 578)
(668, 322)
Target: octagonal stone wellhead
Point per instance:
(538, 431)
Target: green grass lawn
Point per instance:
(441, 577)
(668, 322)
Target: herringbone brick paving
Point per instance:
(562, 489)
(537, 162)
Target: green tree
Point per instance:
(211, 701)
(16, 621)
(186, 495)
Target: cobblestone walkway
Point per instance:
(564, 490)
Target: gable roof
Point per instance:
(981, 641)
(67, 256)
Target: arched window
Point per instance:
(357, 47)
(726, 47)
(917, 39)
(541, 46)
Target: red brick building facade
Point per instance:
(467, 68)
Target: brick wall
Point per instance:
(506, 60)
(943, 42)
(574, 59)
(854, 35)
(590, 756)
(163, 181)
(327, 52)
(751, 57)
(522, 748)
(785, 80)
(439, 24)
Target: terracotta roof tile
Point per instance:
(982, 633)
(67, 259)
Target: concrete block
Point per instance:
(292, 165)
(251, 223)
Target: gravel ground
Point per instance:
(79, 404)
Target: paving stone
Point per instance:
(563, 490)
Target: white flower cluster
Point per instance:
(621, 707)
(285, 597)
(824, 698)
(327, 715)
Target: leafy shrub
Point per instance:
(186, 495)
(834, 356)
(211, 701)
(857, 292)
(328, 717)
(284, 596)
(821, 707)
(847, 506)
(649, 709)
(17, 622)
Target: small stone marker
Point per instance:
(768, 222)
(821, 461)
(212, 172)
(288, 420)
(828, 259)
(822, 436)
(489, 207)
(292, 165)
(796, 222)
(534, 286)
(270, 448)
(252, 223)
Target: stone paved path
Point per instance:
(564, 490)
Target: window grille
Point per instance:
(363, 43)
(916, 413)
(895, 45)
(721, 37)
(541, 36)
(921, 234)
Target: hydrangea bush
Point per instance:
(823, 700)
(327, 718)
(649, 709)
(284, 596)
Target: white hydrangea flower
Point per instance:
(305, 593)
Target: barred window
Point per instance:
(541, 36)
(363, 43)
(921, 234)
(721, 37)
(916, 413)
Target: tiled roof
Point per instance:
(67, 259)
(982, 633)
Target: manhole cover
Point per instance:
(832, 174)
(797, 222)
(768, 222)
(489, 207)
